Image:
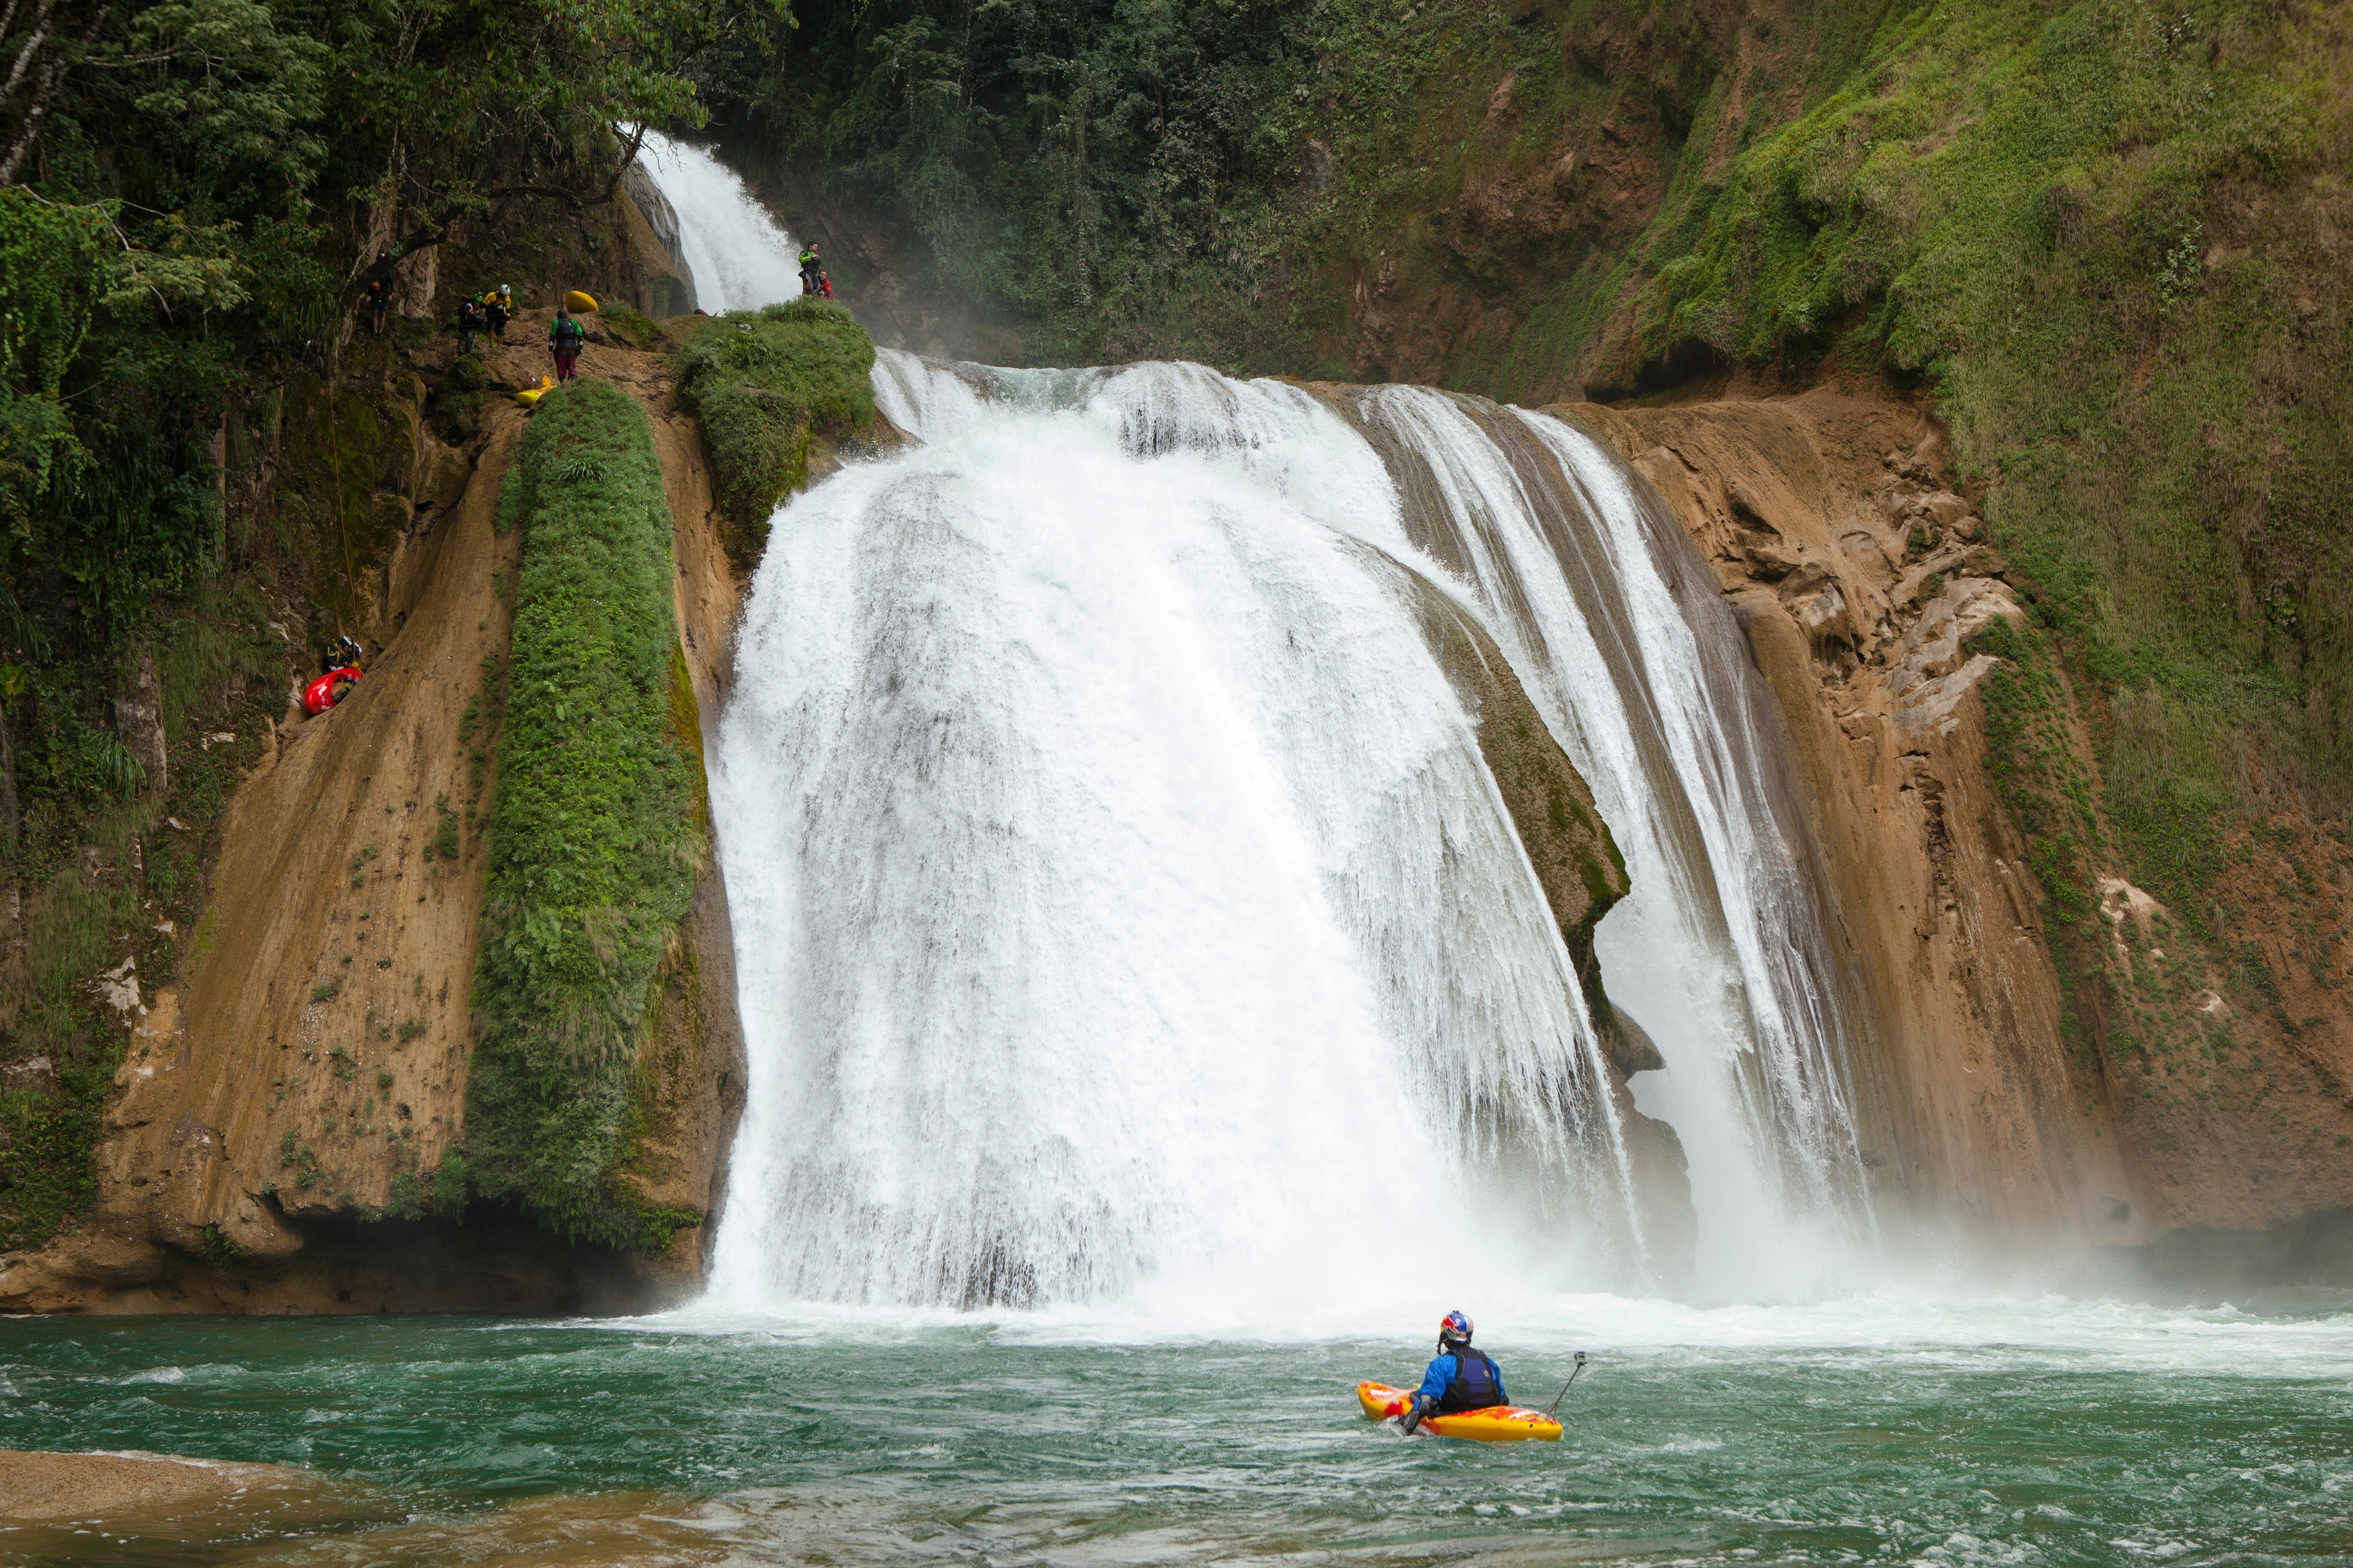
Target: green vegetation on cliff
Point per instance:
(597, 826)
(2105, 240)
(203, 470)
(766, 384)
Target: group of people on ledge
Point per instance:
(484, 313)
(487, 314)
(813, 274)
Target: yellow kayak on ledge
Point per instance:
(1496, 1423)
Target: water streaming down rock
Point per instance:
(1723, 951)
(741, 256)
(1215, 488)
(1122, 902)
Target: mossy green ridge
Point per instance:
(596, 830)
(766, 384)
(2103, 237)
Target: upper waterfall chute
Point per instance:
(741, 256)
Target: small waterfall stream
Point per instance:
(741, 257)
(1123, 906)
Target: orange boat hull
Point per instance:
(1496, 1423)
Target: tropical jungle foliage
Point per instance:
(193, 195)
(764, 384)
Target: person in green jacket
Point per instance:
(810, 266)
(565, 337)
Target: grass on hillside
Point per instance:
(764, 384)
(2105, 237)
(596, 832)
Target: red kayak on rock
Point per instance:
(330, 688)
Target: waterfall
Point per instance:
(1722, 952)
(739, 256)
(1122, 903)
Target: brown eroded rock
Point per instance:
(308, 1072)
(1859, 578)
(317, 1049)
(61, 1505)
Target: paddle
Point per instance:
(1563, 1387)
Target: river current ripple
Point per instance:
(1886, 1428)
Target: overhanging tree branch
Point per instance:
(53, 71)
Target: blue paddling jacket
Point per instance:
(1467, 1381)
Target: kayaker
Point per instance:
(339, 671)
(1459, 1378)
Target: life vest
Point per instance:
(1475, 1387)
(329, 689)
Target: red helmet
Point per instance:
(1454, 1329)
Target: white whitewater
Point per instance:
(1121, 902)
(741, 256)
(1123, 905)
(1722, 950)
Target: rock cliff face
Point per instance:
(284, 1114)
(2117, 1074)
(2003, 1096)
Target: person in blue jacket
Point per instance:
(1459, 1378)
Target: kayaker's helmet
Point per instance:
(1454, 1329)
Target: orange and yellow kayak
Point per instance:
(1496, 1423)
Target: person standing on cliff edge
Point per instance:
(810, 267)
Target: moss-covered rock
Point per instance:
(1582, 873)
(766, 385)
(597, 831)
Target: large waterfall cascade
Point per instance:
(1123, 908)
